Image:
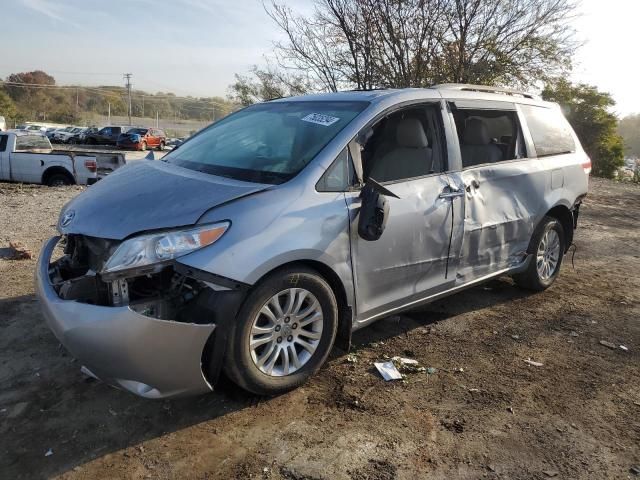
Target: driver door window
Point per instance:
(405, 144)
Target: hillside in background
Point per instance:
(35, 96)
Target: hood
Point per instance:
(148, 195)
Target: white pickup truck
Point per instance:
(27, 157)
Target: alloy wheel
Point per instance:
(548, 254)
(286, 332)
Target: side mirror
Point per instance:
(374, 210)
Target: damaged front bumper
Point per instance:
(150, 357)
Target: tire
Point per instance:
(91, 141)
(547, 244)
(161, 146)
(143, 146)
(58, 180)
(303, 286)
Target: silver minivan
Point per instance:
(271, 235)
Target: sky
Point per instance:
(194, 47)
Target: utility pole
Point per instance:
(109, 120)
(76, 101)
(142, 106)
(127, 77)
(157, 124)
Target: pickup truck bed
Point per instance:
(18, 163)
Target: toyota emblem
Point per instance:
(67, 218)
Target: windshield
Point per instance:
(139, 131)
(268, 142)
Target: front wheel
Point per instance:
(143, 146)
(547, 246)
(284, 332)
(161, 146)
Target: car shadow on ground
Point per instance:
(490, 294)
(47, 405)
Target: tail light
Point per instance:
(91, 165)
(586, 165)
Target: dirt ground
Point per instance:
(484, 413)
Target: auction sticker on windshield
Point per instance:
(320, 119)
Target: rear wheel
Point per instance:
(547, 247)
(59, 180)
(284, 332)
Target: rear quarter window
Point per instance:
(3, 142)
(550, 131)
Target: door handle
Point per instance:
(449, 192)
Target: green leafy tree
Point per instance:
(629, 129)
(8, 109)
(588, 111)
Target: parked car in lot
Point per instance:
(49, 132)
(32, 128)
(65, 135)
(26, 157)
(106, 135)
(274, 233)
(52, 132)
(81, 136)
(142, 139)
(175, 142)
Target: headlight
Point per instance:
(161, 247)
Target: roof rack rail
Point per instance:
(483, 88)
(373, 89)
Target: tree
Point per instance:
(415, 43)
(37, 77)
(266, 84)
(629, 129)
(587, 110)
(7, 107)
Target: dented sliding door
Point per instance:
(504, 187)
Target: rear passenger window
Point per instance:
(550, 131)
(488, 136)
(3, 142)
